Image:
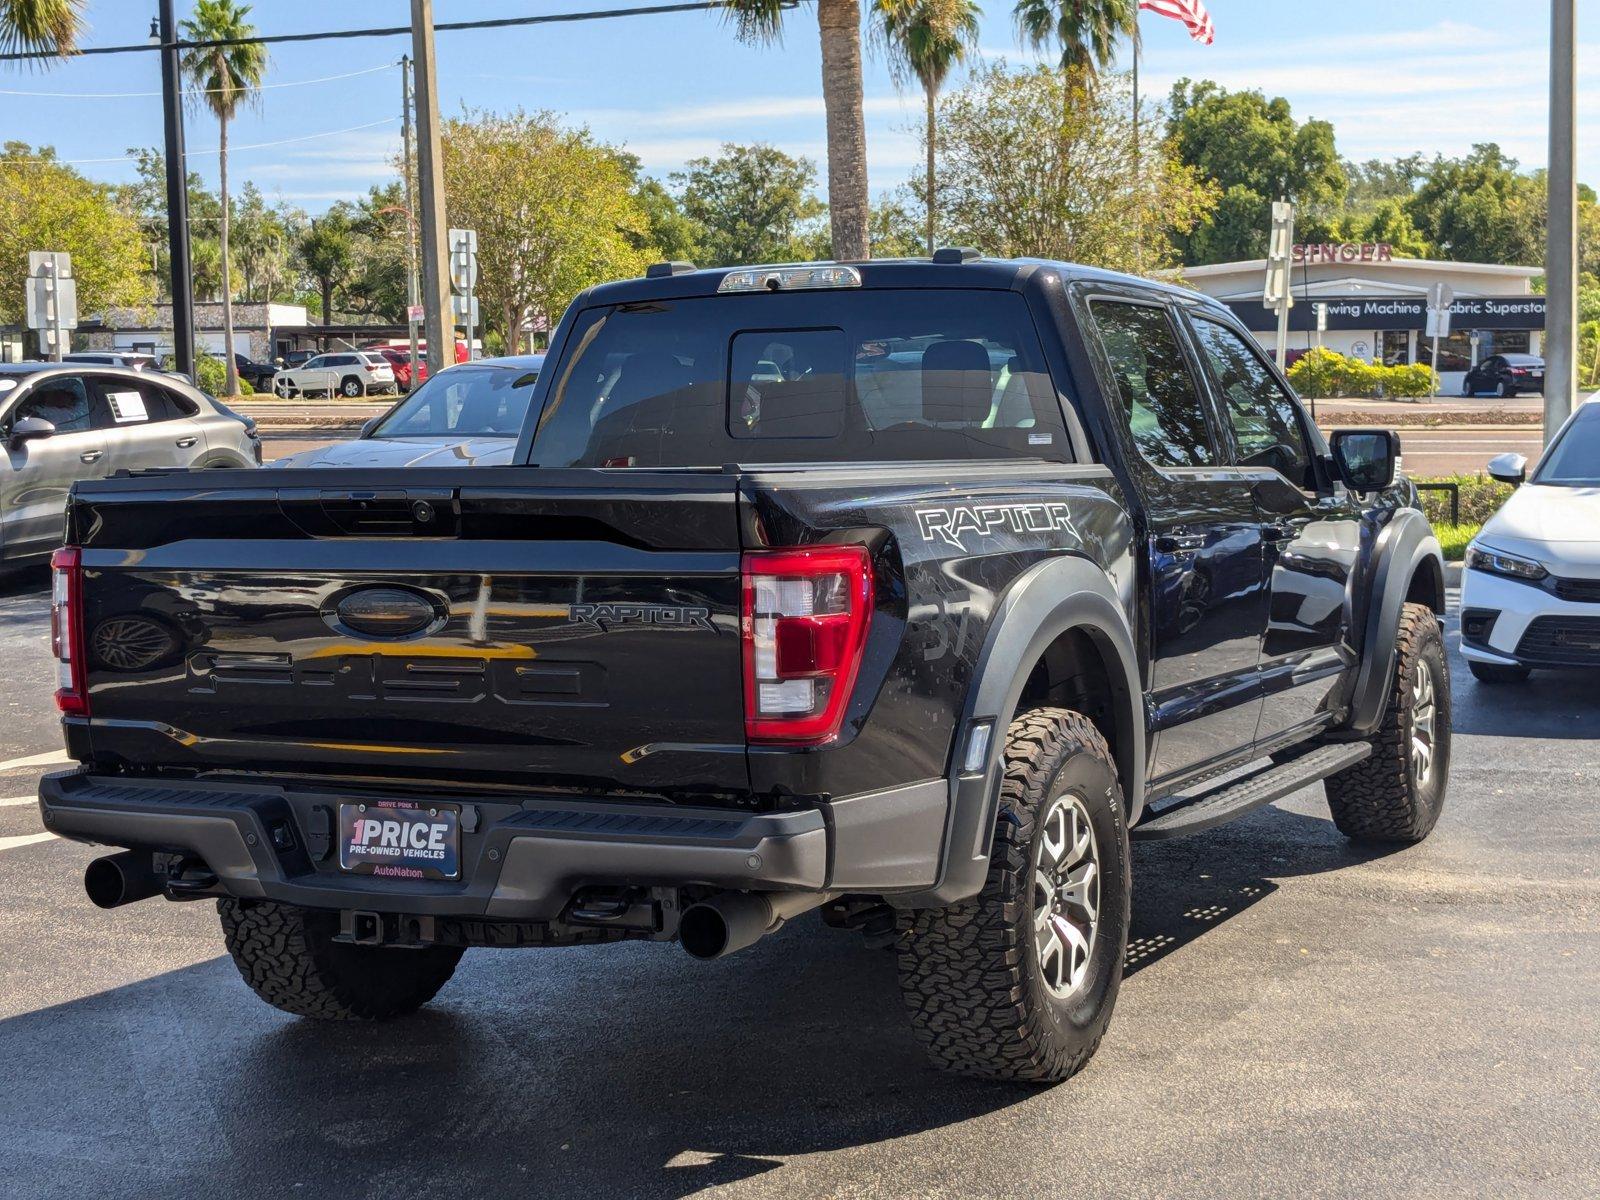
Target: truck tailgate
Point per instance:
(504, 626)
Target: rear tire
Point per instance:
(289, 958)
(1019, 982)
(1507, 391)
(1397, 794)
(1495, 674)
(350, 387)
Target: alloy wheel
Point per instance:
(1424, 720)
(1066, 895)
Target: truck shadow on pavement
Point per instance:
(627, 1070)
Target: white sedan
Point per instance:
(1530, 594)
(349, 373)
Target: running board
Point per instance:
(1194, 814)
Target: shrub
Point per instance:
(1481, 498)
(1321, 373)
(211, 376)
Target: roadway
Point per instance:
(1299, 1018)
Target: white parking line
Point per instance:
(17, 801)
(54, 758)
(27, 839)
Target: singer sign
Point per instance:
(1342, 252)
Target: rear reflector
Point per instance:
(804, 626)
(66, 630)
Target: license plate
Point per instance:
(400, 840)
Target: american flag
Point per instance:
(1191, 12)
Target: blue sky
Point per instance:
(1392, 77)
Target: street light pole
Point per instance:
(411, 211)
(177, 195)
(1561, 255)
(430, 181)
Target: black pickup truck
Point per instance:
(908, 591)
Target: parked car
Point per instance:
(828, 587)
(132, 359)
(347, 373)
(400, 362)
(258, 375)
(467, 415)
(1530, 591)
(64, 423)
(1506, 375)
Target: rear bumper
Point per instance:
(520, 861)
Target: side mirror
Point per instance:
(30, 429)
(1367, 459)
(366, 430)
(1509, 468)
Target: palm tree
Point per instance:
(40, 26)
(1086, 30)
(226, 77)
(839, 22)
(928, 38)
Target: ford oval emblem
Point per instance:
(386, 612)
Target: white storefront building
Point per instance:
(1377, 306)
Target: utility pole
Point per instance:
(177, 195)
(411, 211)
(1561, 255)
(430, 179)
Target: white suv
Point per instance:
(350, 373)
(1530, 594)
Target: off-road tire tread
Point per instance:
(292, 966)
(1372, 801)
(962, 967)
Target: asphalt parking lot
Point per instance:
(1299, 1019)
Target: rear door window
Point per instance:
(845, 376)
(1165, 413)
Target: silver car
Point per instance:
(61, 422)
(467, 415)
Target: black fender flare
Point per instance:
(1049, 599)
(1405, 546)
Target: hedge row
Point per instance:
(1321, 373)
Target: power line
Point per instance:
(189, 91)
(305, 137)
(391, 30)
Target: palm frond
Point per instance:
(224, 77)
(757, 22)
(41, 26)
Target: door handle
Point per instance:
(1180, 543)
(185, 442)
(90, 456)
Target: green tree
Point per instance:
(1036, 164)
(553, 211)
(325, 253)
(46, 205)
(226, 77)
(1480, 208)
(839, 22)
(378, 225)
(40, 26)
(1255, 151)
(146, 200)
(752, 204)
(1085, 31)
(926, 40)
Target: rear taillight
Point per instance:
(805, 623)
(66, 630)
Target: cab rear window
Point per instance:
(821, 377)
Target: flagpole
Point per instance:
(1138, 173)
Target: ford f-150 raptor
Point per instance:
(907, 590)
